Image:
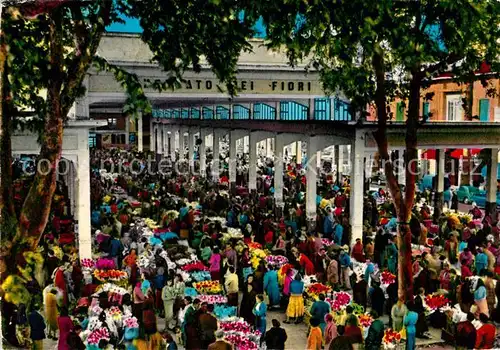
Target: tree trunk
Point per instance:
(36, 209)
(6, 193)
(402, 204)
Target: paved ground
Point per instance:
(297, 335)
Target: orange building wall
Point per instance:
(438, 103)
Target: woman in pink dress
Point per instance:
(65, 327)
(214, 261)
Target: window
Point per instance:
(92, 140)
(454, 109)
(426, 107)
(111, 123)
(400, 112)
(484, 110)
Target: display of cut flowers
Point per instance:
(387, 278)
(97, 335)
(212, 299)
(365, 320)
(223, 312)
(315, 289)
(254, 245)
(241, 342)
(200, 276)
(340, 301)
(208, 287)
(391, 338)
(436, 301)
(105, 264)
(112, 275)
(87, 264)
(276, 260)
(194, 266)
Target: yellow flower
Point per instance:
(106, 199)
(58, 253)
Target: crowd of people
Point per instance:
(210, 266)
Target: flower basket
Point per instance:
(208, 287)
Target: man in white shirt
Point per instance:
(232, 287)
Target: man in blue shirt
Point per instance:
(345, 266)
(339, 233)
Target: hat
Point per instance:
(345, 247)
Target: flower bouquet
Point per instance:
(105, 264)
(365, 320)
(254, 245)
(387, 278)
(194, 266)
(131, 328)
(276, 260)
(87, 264)
(327, 242)
(315, 289)
(391, 339)
(200, 276)
(340, 301)
(97, 335)
(208, 287)
(233, 233)
(235, 326)
(112, 275)
(213, 299)
(435, 302)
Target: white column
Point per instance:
(127, 130)
(278, 170)
(202, 149)
(233, 139)
(159, 141)
(182, 143)
(83, 205)
(252, 164)
(173, 136)
(340, 165)
(191, 140)
(357, 184)
(298, 152)
(269, 147)
(165, 140)
(438, 200)
(311, 178)
(216, 156)
(140, 134)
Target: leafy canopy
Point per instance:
(180, 34)
(341, 37)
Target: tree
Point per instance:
(380, 51)
(49, 46)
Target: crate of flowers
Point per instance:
(208, 287)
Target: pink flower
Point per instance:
(97, 335)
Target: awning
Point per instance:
(429, 154)
(459, 152)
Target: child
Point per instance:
(315, 339)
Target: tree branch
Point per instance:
(381, 133)
(85, 52)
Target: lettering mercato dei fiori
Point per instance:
(251, 85)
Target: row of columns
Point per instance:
(315, 144)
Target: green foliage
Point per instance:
(340, 39)
(194, 34)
